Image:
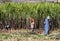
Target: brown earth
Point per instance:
(29, 38)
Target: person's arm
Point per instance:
(44, 22)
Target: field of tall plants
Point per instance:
(18, 14)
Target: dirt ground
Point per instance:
(29, 40)
(26, 35)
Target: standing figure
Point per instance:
(32, 24)
(47, 25)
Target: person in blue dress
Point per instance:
(46, 25)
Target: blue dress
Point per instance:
(46, 26)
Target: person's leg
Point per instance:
(32, 28)
(46, 30)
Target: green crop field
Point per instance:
(17, 16)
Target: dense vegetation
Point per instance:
(18, 14)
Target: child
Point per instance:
(32, 24)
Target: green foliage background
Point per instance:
(26, 10)
(39, 11)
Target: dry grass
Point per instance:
(25, 35)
